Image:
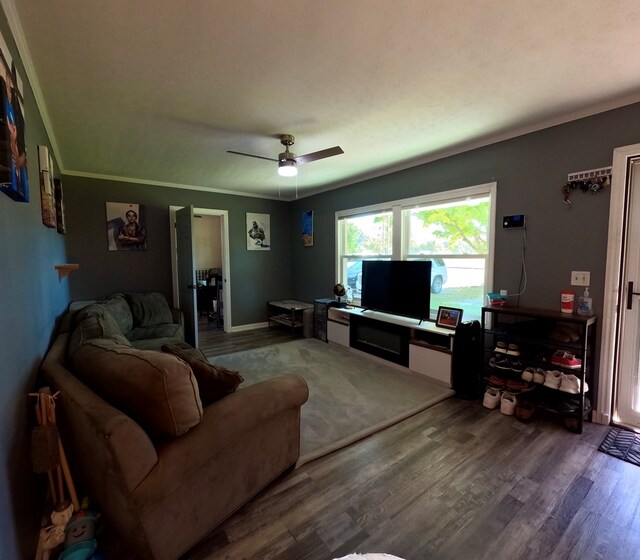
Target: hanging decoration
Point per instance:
(592, 180)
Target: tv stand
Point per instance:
(421, 347)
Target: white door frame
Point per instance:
(226, 267)
(603, 412)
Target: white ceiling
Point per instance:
(157, 90)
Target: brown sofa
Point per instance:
(161, 491)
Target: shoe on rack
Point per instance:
(516, 365)
(500, 362)
(497, 382)
(516, 386)
(552, 379)
(501, 347)
(525, 410)
(491, 398)
(508, 403)
(539, 376)
(528, 373)
(513, 350)
(566, 360)
(571, 384)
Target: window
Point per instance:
(452, 229)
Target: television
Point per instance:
(397, 287)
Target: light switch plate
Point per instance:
(580, 278)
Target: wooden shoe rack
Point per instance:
(538, 334)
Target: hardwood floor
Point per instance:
(456, 481)
(215, 342)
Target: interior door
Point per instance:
(187, 273)
(628, 381)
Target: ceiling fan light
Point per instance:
(287, 168)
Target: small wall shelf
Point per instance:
(65, 270)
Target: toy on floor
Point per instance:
(79, 542)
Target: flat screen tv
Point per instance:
(397, 287)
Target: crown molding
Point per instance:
(169, 185)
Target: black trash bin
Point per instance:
(466, 360)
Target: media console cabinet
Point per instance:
(423, 348)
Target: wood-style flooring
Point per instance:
(215, 342)
(456, 481)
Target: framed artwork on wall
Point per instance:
(258, 232)
(307, 228)
(60, 222)
(448, 317)
(125, 227)
(13, 153)
(47, 189)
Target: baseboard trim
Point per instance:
(249, 327)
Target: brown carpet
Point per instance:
(350, 395)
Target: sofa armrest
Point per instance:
(222, 424)
(107, 446)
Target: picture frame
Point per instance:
(47, 189)
(126, 230)
(14, 181)
(258, 232)
(307, 228)
(448, 317)
(61, 225)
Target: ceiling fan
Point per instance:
(288, 161)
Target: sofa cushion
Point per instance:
(214, 382)
(154, 343)
(157, 390)
(118, 307)
(168, 330)
(95, 325)
(149, 309)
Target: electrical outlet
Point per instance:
(580, 278)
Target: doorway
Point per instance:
(207, 244)
(619, 387)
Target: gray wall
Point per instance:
(256, 276)
(31, 300)
(530, 171)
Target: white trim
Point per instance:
(139, 181)
(226, 259)
(405, 203)
(249, 327)
(604, 406)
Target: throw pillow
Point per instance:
(149, 309)
(214, 382)
(156, 390)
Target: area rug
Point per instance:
(350, 395)
(622, 444)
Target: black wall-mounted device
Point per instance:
(515, 221)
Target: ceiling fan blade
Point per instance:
(314, 156)
(250, 155)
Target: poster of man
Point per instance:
(258, 232)
(13, 154)
(125, 227)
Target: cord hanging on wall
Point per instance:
(592, 180)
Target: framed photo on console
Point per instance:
(448, 317)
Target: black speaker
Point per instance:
(466, 360)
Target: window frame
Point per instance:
(400, 228)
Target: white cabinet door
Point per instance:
(337, 332)
(432, 363)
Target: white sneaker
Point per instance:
(491, 398)
(507, 403)
(539, 376)
(571, 384)
(553, 379)
(528, 373)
